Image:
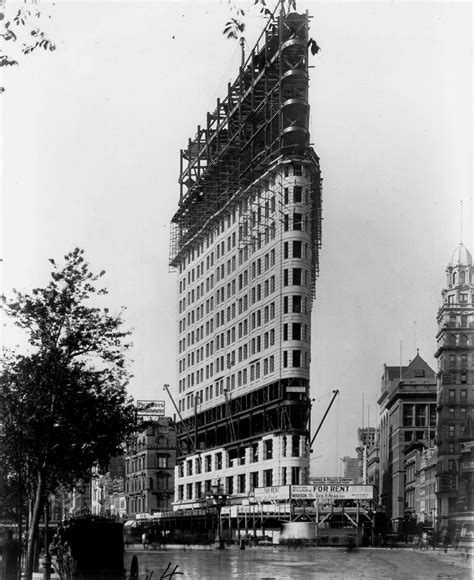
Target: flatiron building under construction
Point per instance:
(244, 243)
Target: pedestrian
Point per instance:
(445, 537)
(145, 540)
(457, 539)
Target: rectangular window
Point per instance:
(296, 358)
(296, 331)
(268, 449)
(254, 452)
(295, 446)
(297, 304)
(297, 221)
(297, 194)
(295, 475)
(296, 276)
(420, 418)
(254, 479)
(268, 477)
(297, 249)
(285, 277)
(285, 250)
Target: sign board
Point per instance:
(314, 492)
(331, 492)
(467, 466)
(466, 446)
(331, 480)
(150, 409)
(296, 389)
(278, 492)
(302, 492)
(145, 516)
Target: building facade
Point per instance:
(367, 440)
(407, 414)
(245, 243)
(455, 355)
(149, 469)
(420, 484)
(352, 468)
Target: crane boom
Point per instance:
(167, 389)
(335, 393)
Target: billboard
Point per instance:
(331, 480)
(331, 492)
(314, 492)
(150, 409)
(277, 492)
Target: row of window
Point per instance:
(463, 298)
(453, 320)
(227, 268)
(290, 359)
(290, 447)
(142, 482)
(459, 340)
(461, 360)
(140, 463)
(419, 415)
(455, 395)
(257, 293)
(250, 374)
(241, 483)
(228, 291)
(456, 413)
(465, 277)
(296, 170)
(138, 504)
(291, 304)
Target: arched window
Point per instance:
(454, 278)
(452, 340)
(463, 340)
(463, 277)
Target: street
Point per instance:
(307, 563)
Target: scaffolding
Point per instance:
(264, 117)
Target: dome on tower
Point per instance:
(461, 256)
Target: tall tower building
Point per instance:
(455, 356)
(244, 243)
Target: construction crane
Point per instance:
(193, 444)
(335, 394)
(228, 418)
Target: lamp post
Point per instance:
(218, 497)
(47, 555)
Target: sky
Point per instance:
(90, 140)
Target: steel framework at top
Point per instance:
(264, 116)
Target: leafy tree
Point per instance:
(65, 402)
(20, 33)
(235, 27)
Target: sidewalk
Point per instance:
(451, 557)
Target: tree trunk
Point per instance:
(34, 527)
